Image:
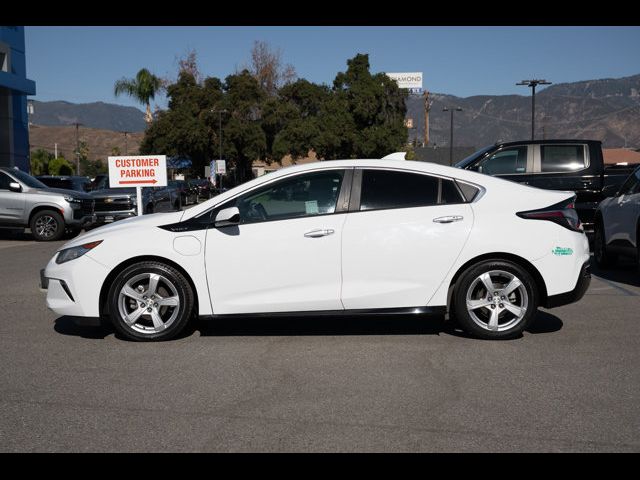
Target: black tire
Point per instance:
(175, 324)
(604, 259)
(512, 326)
(47, 226)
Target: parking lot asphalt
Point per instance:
(570, 383)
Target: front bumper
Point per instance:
(73, 288)
(584, 279)
(109, 217)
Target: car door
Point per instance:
(621, 216)
(402, 236)
(285, 254)
(11, 203)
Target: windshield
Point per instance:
(27, 179)
(466, 161)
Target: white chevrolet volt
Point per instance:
(334, 237)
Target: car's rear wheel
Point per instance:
(46, 226)
(150, 301)
(603, 258)
(495, 299)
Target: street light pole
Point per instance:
(533, 83)
(451, 110)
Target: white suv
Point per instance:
(617, 228)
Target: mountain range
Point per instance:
(606, 109)
(100, 115)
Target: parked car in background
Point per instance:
(187, 194)
(345, 237)
(48, 212)
(575, 165)
(617, 227)
(204, 188)
(113, 204)
(68, 182)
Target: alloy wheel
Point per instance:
(497, 300)
(46, 226)
(148, 303)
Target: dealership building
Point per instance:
(14, 88)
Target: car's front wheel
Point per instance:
(47, 225)
(495, 299)
(150, 301)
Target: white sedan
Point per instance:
(334, 237)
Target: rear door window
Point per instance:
(382, 189)
(561, 158)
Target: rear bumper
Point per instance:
(584, 279)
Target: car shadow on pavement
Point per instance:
(311, 326)
(323, 325)
(68, 326)
(624, 271)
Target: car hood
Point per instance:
(60, 191)
(116, 228)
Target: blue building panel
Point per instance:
(14, 88)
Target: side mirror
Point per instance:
(15, 187)
(227, 217)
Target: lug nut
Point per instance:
(144, 298)
(155, 304)
(142, 304)
(502, 297)
(501, 305)
(493, 306)
(149, 309)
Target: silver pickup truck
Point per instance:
(48, 212)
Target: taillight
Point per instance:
(563, 213)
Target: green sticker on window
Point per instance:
(562, 251)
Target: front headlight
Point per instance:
(71, 199)
(75, 252)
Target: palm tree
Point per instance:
(143, 88)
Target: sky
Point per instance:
(81, 64)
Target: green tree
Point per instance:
(143, 88)
(60, 166)
(186, 127)
(40, 162)
(376, 107)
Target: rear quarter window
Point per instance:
(562, 158)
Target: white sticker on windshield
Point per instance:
(311, 207)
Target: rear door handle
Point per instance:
(448, 219)
(320, 232)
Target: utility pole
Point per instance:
(533, 84)
(451, 110)
(55, 149)
(427, 108)
(220, 112)
(77, 146)
(126, 146)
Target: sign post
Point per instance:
(138, 171)
(220, 169)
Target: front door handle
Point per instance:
(448, 219)
(320, 232)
